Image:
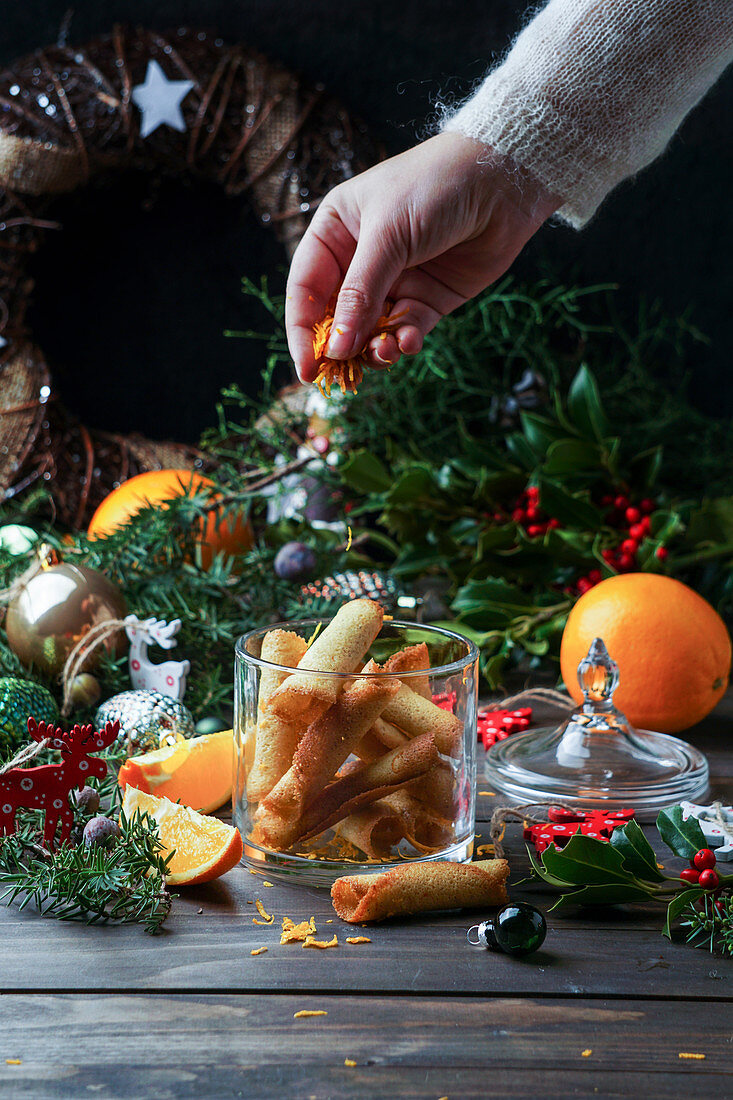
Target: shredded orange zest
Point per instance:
(485, 849)
(259, 951)
(329, 922)
(345, 373)
(685, 1054)
(358, 939)
(252, 872)
(266, 883)
(13, 1062)
(297, 933)
(309, 1012)
(263, 913)
(351, 539)
(586, 1053)
(349, 1062)
(489, 794)
(311, 942)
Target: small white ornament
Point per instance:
(159, 100)
(717, 836)
(167, 678)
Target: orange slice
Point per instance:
(196, 772)
(203, 847)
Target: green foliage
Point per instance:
(123, 884)
(710, 925)
(624, 869)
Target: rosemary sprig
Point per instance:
(711, 925)
(124, 884)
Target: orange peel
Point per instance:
(346, 373)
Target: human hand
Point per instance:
(427, 229)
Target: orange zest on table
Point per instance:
(309, 1012)
(311, 942)
(345, 373)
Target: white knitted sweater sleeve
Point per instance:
(592, 91)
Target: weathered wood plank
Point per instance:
(597, 953)
(131, 1046)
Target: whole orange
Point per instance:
(672, 648)
(158, 486)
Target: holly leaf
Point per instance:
(683, 837)
(569, 509)
(584, 405)
(585, 861)
(542, 871)
(602, 893)
(365, 473)
(638, 854)
(678, 903)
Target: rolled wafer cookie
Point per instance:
(438, 790)
(328, 742)
(415, 715)
(421, 825)
(411, 659)
(340, 647)
(420, 888)
(357, 786)
(374, 830)
(276, 738)
(383, 735)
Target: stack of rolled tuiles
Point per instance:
(367, 754)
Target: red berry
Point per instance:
(690, 875)
(625, 562)
(518, 515)
(646, 525)
(704, 859)
(534, 530)
(661, 553)
(583, 586)
(595, 576)
(608, 556)
(647, 505)
(348, 506)
(709, 879)
(532, 512)
(553, 524)
(533, 493)
(320, 444)
(629, 546)
(636, 531)
(633, 515)
(621, 503)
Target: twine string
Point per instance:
(28, 752)
(538, 695)
(91, 641)
(502, 814)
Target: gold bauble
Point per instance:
(55, 609)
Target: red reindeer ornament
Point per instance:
(48, 786)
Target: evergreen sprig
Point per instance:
(124, 884)
(710, 925)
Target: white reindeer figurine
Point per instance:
(169, 677)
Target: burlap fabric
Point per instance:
(66, 115)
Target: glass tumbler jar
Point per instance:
(400, 796)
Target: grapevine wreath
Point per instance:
(184, 103)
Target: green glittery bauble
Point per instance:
(19, 700)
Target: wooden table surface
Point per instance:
(603, 1010)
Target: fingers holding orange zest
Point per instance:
(345, 373)
(196, 772)
(203, 847)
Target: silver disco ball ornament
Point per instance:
(147, 719)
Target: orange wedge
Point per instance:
(203, 847)
(196, 772)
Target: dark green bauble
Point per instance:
(517, 929)
(19, 700)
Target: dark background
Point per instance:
(134, 294)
